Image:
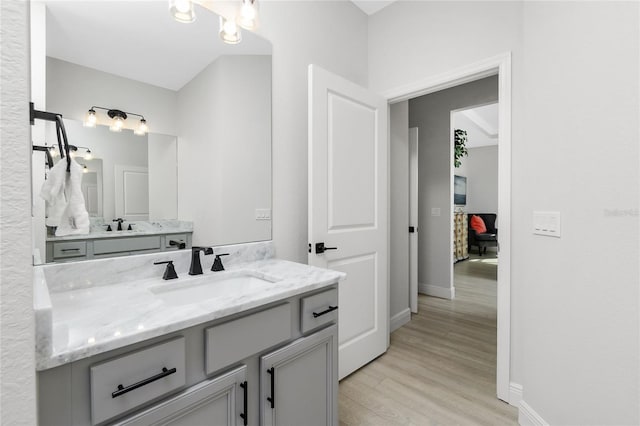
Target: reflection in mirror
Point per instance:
(207, 158)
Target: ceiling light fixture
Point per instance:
(248, 15)
(229, 31)
(182, 11)
(118, 118)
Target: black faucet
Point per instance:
(119, 220)
(196, 266)
(217, 263)
(170, 271)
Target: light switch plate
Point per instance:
(546, 223)
(435, 211)
(263, 214)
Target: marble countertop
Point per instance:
(87, 317)
(139, 228)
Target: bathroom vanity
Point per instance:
(254, 344)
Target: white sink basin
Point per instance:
(211, 286)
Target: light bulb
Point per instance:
(248, 17)
(142, 129)
(85, 169)
(53, 151)
(88, 155)
(182, 11)
(117, 124)
(90, 119)
(229, 31)
(72, 154)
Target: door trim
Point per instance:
(500, 65)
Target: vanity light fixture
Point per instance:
(91, 119)
(85, 169)
(53, 151)
(229, 31)
(118, 118)
(248, 15)
(73, 149)
(182, 11)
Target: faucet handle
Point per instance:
(170, 271)
(217, 263)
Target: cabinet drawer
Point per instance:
(69, 249)
(126, 244)
(126, 382)
(180, 238)
(235, 340)
(324, 305)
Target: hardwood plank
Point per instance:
(440, 367)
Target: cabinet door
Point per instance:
(299, 383)
(220, 401)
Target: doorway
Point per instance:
(500, 68)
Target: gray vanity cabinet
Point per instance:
(299, 382)
(220, 401)
(214, 373)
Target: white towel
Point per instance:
(74, 219)
(53, 193)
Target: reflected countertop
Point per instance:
(98, 230)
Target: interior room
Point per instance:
(199, 212)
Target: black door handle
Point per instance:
(320, 248)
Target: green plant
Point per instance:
(460, 149)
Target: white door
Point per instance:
(413, 218)
(348, 209)
(131, 192)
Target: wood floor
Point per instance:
(440, 367)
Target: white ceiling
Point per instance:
(139, 40)
(481, 124)
(372, 6)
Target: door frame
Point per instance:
(497, 65)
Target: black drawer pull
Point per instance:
(122, 390)
(272, 398)
(71, 249)
(244, 415)
(326, 311)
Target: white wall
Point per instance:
(333, 35)
(17, 354)
(224, 150)
(575, 140)
(481, 170)
(432, 115)
(163, 176)
(72, 89)
(399, 208)
(577, 152)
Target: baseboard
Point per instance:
(399, 319)
(527, 416)
(437, 291)
(515, 394)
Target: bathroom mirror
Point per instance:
(207, 105)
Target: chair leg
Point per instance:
(479, 249)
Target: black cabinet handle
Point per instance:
(122, 390)
(272, 398)
(244, 415)
(71, 249)
(326, 311)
